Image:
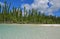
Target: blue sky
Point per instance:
(17, 3)
(55, 9)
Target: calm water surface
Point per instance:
(28, 32)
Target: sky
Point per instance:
(28, 32)
(50, 7)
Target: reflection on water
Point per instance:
(29, 32)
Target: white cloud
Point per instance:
(43, 6)
(56, 3)
(56, 6)
(26, 5)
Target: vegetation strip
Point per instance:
(16, 15)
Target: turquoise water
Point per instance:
(28, 32)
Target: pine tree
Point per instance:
(20, 16)
(5, 12)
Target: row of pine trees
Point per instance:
(15, 15)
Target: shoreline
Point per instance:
(52, 25)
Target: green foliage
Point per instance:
(32, 16)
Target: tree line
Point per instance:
(15, 15)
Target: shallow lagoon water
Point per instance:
(28, 32)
